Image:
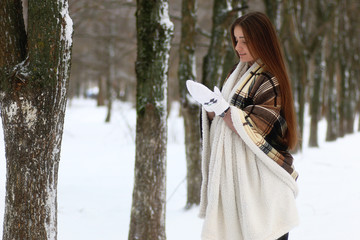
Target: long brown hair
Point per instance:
(262, 41)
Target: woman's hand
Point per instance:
(212, 101)
(211, 115)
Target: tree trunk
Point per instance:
(239, 7)
(100, 96)
(331, 101)
(351, 52)
(110, 70)
(215, 58)
(272, 11)
(332, 114)
(154, 31)
(193, 154)
(34, 78)
(190, 110)
(108, 99)
(316, 101)
(342, 81)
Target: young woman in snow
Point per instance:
(249, 187)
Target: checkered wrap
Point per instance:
(259, 99)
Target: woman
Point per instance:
(249, 187)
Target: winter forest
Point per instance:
(100, 140)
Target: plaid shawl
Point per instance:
(258, 96)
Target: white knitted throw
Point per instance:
(245, 195)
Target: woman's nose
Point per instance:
(238, 47)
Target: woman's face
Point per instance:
(241, 46)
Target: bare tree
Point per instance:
(34, 71)
(154, 30)
(190, 110)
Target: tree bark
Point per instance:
(347, 32)
(34, 72)
(231, 58)
(215, 58)
(100, 96)
(316, 98)
(110, 79)
(154, 31)
(331, 101)
(189, 109)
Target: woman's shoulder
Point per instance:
(265, 78)
(267, 75)
(265, 87)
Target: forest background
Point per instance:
(320, 40)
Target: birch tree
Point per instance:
(34, 73)
(154, 30)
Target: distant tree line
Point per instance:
(320, 40)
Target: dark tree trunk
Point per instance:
(110, 80)
(331, 114)
(100, 96)
(239, 7)
(349, 47)
(315, 101)
(154, 31)
(193, 154)
(331, 101)
(272, 10)
(342, 81)
(190, 110)
(34, 72)
(108, 99)
(215, 58)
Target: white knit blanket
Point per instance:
(245, 195)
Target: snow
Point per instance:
(164, 17)
(96, 179)
(51, 205)
(168, 28)
(66, 37)
(68, 31)
(12, 110)
(30, 113)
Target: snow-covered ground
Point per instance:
(96, 180)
